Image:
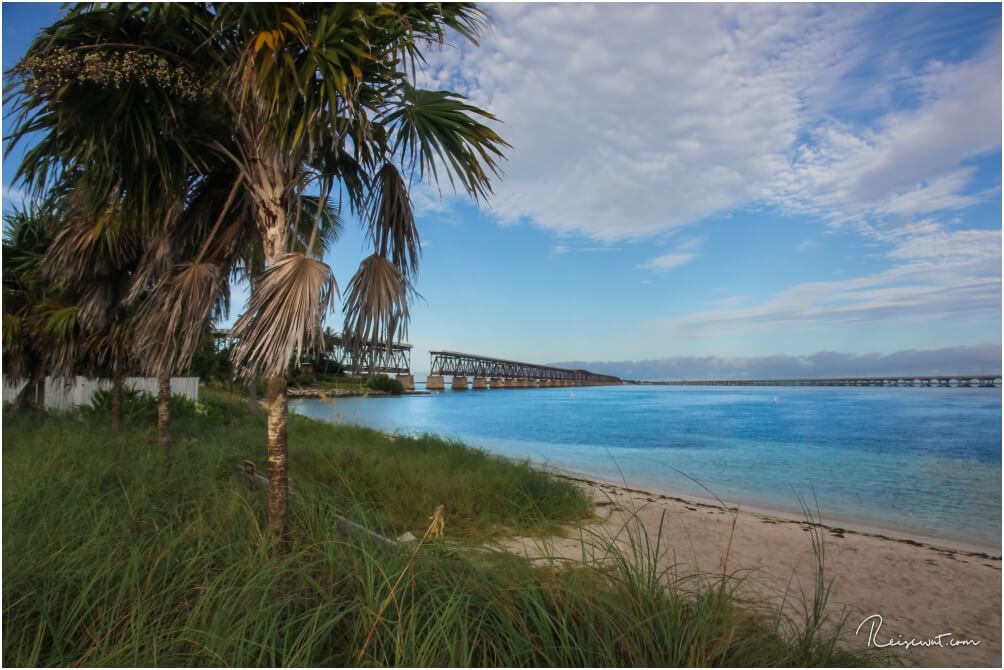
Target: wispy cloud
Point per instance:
(936, 275)
(973, 359)
(684, 252)
(13, 197)
(679, 112)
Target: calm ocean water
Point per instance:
(922, 460)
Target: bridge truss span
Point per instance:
(461, 365)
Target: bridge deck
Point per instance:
(949, 381)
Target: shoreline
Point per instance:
(829, 521)
(921, 590)
(826, 522)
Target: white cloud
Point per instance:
(628, 121)
(670, 261)
(909, 162)
(13, 198)
(936, 274)
(685, 252)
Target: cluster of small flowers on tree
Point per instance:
(109, 69)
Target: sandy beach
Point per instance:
(921, 588)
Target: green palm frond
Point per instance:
(392, 221)
(439, 128)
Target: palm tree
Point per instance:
(112, 100)
(321, 97)
(26, 291)
(318, 100)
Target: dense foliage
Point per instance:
(385, 384)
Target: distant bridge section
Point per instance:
(375, 358)
(940, 381)
(490, 372)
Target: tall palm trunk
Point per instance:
(253, 396)
(164, 411)
(271, 175)
(116, 403)
(278, 447)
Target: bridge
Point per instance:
(487, 372)
(940, 381)
(375, 358)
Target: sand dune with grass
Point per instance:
(921, 589)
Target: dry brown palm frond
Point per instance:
(86, 247)
(392, 221)
(111, 347)
(154, 264)
(171, 319)
(15, 354)
(55, 325)
(376, 305)
(284, 316)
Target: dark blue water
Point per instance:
(921, 460)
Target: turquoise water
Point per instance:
(923, 460)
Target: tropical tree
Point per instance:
(110, 99)
(319, 100)
(27, 294)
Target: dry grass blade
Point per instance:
(392, 221)
(172, 318)
(376, 306)
(284, 316)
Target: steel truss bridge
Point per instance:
(942, 381)
(375, 358)
(372, 358)
(460, 366)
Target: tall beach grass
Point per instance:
(119, 553)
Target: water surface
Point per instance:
(922, 460)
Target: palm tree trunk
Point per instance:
(116, 403)
(253, 396)
(164, 411)
(278, 477)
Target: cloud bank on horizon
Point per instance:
(965, 360)
(638, 122)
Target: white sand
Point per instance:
(921, 588)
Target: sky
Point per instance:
(734, 188)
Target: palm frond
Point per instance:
(171, 319)
(439, 127)
(376, 305)
(392, 221)
(284, 316)
(55, 325)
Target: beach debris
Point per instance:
(249, 473)
(438, 522)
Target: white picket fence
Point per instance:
(61, 396)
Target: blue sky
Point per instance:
(728, 181)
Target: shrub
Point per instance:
(385, 384)
(303, 379)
